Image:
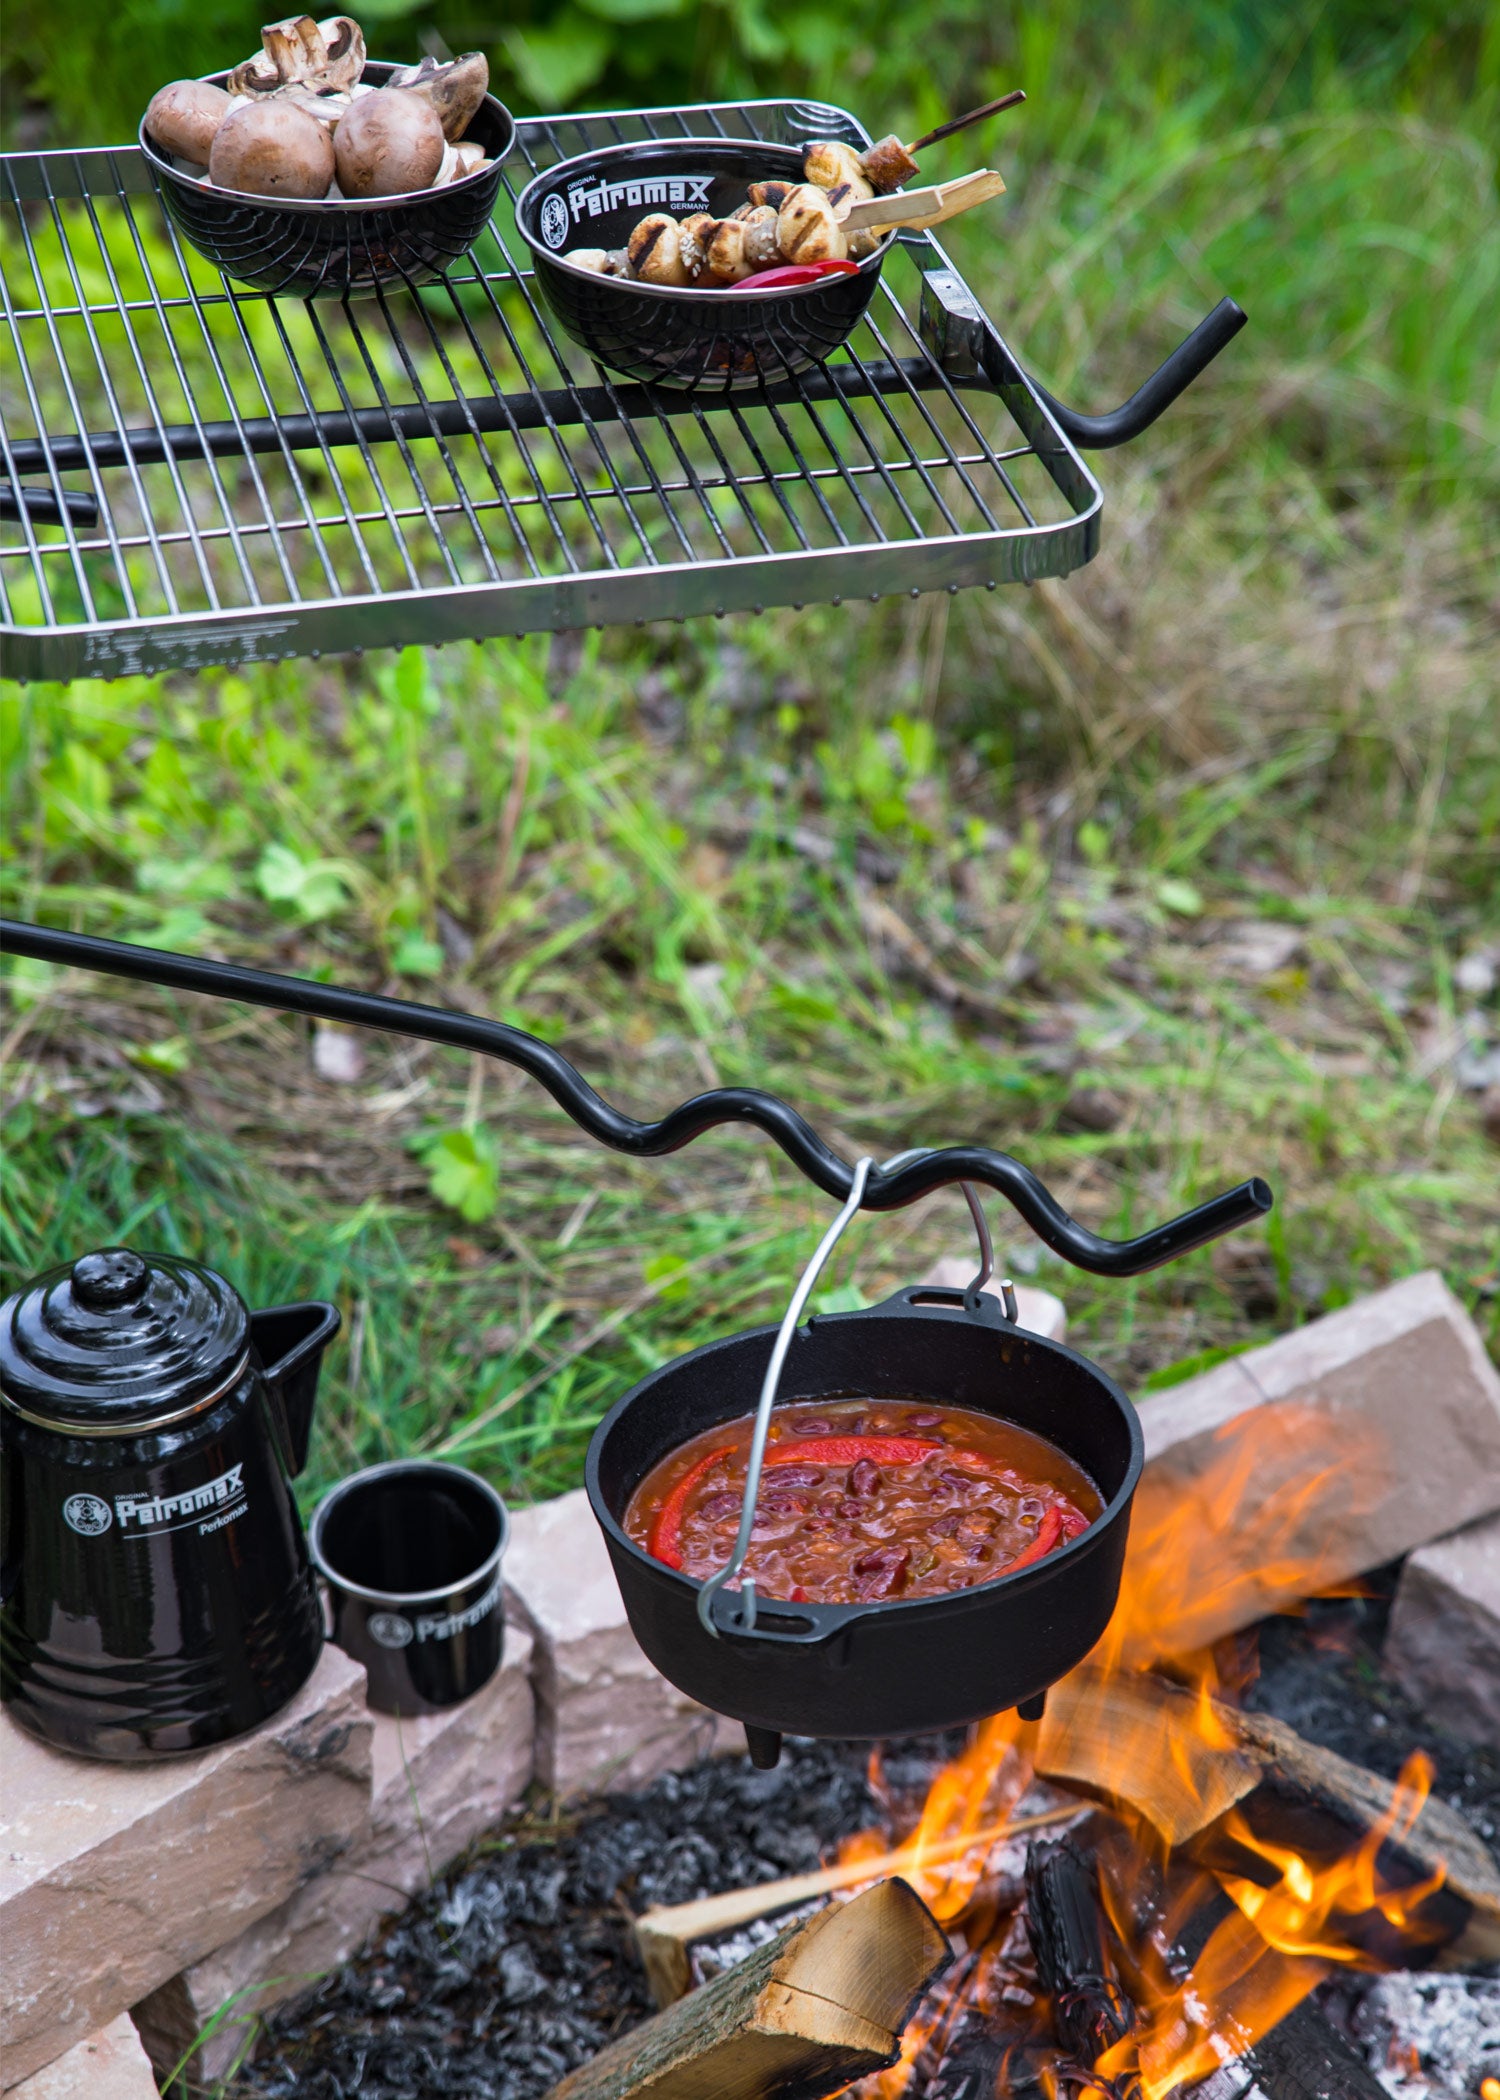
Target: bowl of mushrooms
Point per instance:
(713, 264)
(313, 171)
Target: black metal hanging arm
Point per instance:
(886, 1190)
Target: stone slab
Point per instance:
(1331, 1450)
(606, 1720)
(1036, 1310)
(109, 2065)
(1443, 1642)
(114, 1877)
(439, 1782)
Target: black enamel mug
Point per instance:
(410, 1553)
(155, 1590)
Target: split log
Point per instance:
(1068, 1939)
(1202, 1773)
(1304, 2057)
(816, 2007)
(665, 1938)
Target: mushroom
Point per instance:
(806, 229)
(837, 168)
(762, 249)
(655, 250)
(595, 259)
(773, 193)
(724, 258)
(184, 116)
(300, 52)
(455, 87)
(388, 144)
(272, 149)
(887, 165)
(694, 235)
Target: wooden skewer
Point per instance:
(973, 116)
(929, 207)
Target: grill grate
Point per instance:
(208, 475)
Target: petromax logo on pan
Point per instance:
(590, 198)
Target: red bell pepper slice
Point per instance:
(786, 276)
(848, 1450)
(664, 1540)
(1049, 1534)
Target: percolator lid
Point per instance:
(118, 1341)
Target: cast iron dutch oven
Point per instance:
(884, 1668)
(669, 335)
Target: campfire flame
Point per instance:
(1249, 1535)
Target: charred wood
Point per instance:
(1071, 1944)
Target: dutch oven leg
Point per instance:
(764, 1745)
(1033, 1709)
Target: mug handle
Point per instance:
(290, 1340)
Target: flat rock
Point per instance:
(1331, 1450)
(1443, 1643)
(114, 1877)
(1038, 1311)
(439, 1782)
(606, 1719)
(109, 2065)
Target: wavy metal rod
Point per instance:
(887, 1189)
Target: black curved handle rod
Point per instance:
(886, 1189)
(1192, 356)
(46, 507)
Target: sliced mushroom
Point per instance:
(694, 235)
(837, 168)
(887, 165)
(655, 250)
(389, 144)
(184, 116)
(455, 87)
(299, 52)
(806, 229)
(595, 259)
(272, 149)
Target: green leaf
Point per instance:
(463, 1170)
(172, 1054)
(417, 956)
(553, 65)
(1175, 895)
(196, 880)
(633, 10)
(844, 1297)
(314, 889)
(662, 1268)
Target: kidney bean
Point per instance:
(981, 1553)
(961, 1481)
(786, 1505)
(946, 1527)
(864, 1478)
(923, 1421)
(882, 1572)
(721, 1505)
(812, 1428)
(828, 1507)
(799, 1476)
(850, 1507)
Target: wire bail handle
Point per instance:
(777, 1363)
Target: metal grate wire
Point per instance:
(209, 475)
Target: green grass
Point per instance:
(1267, 708)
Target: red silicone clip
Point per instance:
(789, 275)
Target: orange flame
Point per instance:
(1258, 1525)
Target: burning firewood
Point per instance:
(821, 2004)
(1222, 1786)
(1071, 1946)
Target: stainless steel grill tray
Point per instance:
(194, 474)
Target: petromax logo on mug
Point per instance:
(390, 1629)
(88, 1515)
